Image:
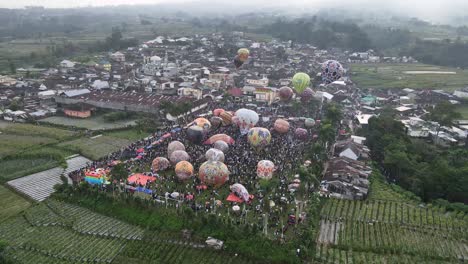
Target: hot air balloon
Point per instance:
(306, 95)
(214, 155)
(240, 191)
(301, 133)
(160, 164)
(221, 145)
(173, 146)
(265, 169)
(213, 173)
(223, 137)
(195, 134)
(247, 119)
(203, 123)
(217, 111)
(178, 156)
(309, 122)
(281, 126)
(235, 121)
(237, 62)
(259, 137)
(285, 93)
(300, 81)
(184, 170)
(227, 118)
(216, 122)
(332, 70)
(243, 54)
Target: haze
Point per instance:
(431, 10)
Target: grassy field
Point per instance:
(95, 148)
(132, 134)
(394, 76)
(11, 204)
(463, 110)
(93, 123)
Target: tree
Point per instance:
(444, 113)
(119, 172)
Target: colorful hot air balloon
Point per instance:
(217, 111)
(160, 164)
(178, 156)
(216, 122)
(213, 173)
(227, 117)
(285, 93)
(265, 169)
(184, 170)
(214, 155)
(281, 126)
(301, 133)
(237, 62)
(221, 145)
(309, 122)
(195, 134)
(203, 123)
(173, 146)
(235, 121)
(247, 119)
(332, 71)
(223, 137)
(306, 95)
(300, 81)
(243, 54)
(259, 137)
(240, 191)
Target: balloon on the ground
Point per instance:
(309, 122)
(281, 126)
(259, 137)
(247, 119)
(240, 191)
(173, 146)
(221, 145)
(265, 169)
(213, 173)
(301, 133)
(160, 164)
(184, 170)
(306, 95)
(216, 122)
(300, 81)
(195, 134)
(178, 156)
(235, 121)
(214, 155)
(227, 118)
(203, 123)
(332, 71)
(223, 137)
(285, 93)
(243, 54)
(217, 111)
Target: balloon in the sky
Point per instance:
(300, 81)
(178, 156)
(227, 118)
(240, 191)
(203, 123)
(265, 169)
(285, 93)
(160, 164)
(173, 146)
(332, 71)
(221, 145)
(183, 170)
(259, 137)
(301, 133)
(247, 119)
(223, 137)
(309, 122)
(214, 155)
(237, 62)
(216, 122)
(306, 95)
(217, 111)
(281, 126)
(243, 54)
(213, 173)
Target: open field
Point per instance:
(95, 148)
(415, 76)
(11, 203)
(132, 134)
(92, 123)
(12, 144)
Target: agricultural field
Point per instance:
(11, 203)
(92, 123)
(96, 147)
(56, 232)
(132, 134)
(389, 226)
(414, 76)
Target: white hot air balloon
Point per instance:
(247, 119)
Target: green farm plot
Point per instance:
(132, 134)
(92, 123)
(11, 204)
(415, 76)
(95, 148)
(12, 144)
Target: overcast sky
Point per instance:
(420, 8)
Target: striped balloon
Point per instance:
(300, 81)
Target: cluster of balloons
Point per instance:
(332, 71)
(242, 56)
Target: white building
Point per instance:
(118, 56)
